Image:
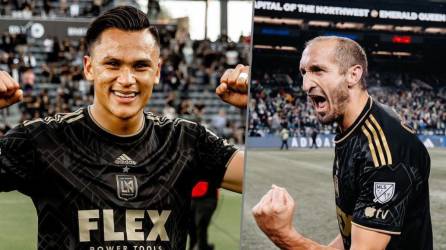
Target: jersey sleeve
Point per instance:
(384, 194)
(214, 155)
(17, 160)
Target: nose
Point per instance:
(126, 77)
(307, 83)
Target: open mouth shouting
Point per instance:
(319, 101)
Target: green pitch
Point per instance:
(18, 222)
(307, 175)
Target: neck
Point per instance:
(354, 108)
(116, 125)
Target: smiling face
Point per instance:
(124, 66)
(325, 85)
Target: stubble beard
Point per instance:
(336, 113)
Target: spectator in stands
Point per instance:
(218, 122)
(4, 58)
(74, 9)
(28, 80)
(96, 7)
(63, 8)
(169, 110)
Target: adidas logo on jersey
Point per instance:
(124, 160)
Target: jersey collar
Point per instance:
(110, 136)
(341, 136)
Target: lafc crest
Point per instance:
(127, 187)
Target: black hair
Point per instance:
(125, 18)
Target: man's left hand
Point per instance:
(233, 87)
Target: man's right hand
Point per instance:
(274, 216)
(10, 91)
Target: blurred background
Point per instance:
(42, 46)
(405, 42)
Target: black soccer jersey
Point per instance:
(95, 190)
(380, 174)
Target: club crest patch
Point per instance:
(383, 191)
(127, 187)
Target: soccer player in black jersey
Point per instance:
(110, 176)
(380, 170)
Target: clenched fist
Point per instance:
(274, 215)
(233, 87)
(10, 91)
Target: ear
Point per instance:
(88, 68)
(354, 74)
(158, 72)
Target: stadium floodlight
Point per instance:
(283, 48)
(415, 29)
(349, 25)
(382, 53)
(400, 53)
(319, 23)
(269, 20)
(382, 27)
(434, 30)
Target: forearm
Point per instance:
(295, 241)
(233, 179)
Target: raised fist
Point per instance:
(10, 91)
(274, 214)
(233, 87)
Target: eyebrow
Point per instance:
(317, 67)
(142, 60)
(313, 68)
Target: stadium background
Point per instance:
(42, 45)
(405, 42)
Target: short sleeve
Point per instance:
(214, 155)
(383, 198)
(17, 160)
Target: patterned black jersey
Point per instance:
(380, 174)
(95, 190)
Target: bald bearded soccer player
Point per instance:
(380, 170)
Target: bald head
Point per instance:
(345, 53)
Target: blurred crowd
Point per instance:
(51, 8)
(51, 75)
(279, 102)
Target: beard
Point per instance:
(340, 99)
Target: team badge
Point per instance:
(127, 187)
(383, 191)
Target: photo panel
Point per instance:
(292, 143)
(121, 139)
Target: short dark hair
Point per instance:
(347, 53)
(125, 18)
